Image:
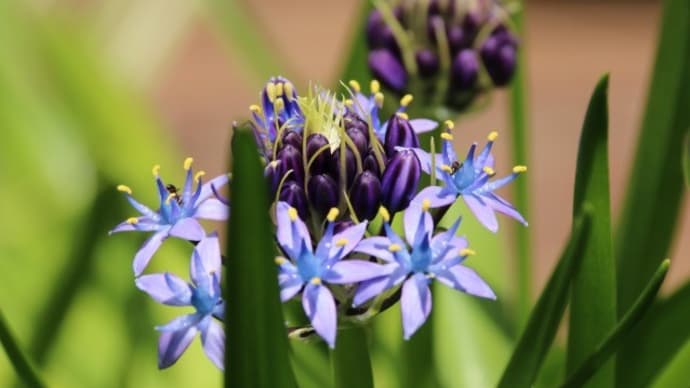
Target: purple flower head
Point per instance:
(368, 107)
(308, 270)
(470, 179)
(414, 261)
(178, 213)
(203, 293)
(279, 110)
(400, 180)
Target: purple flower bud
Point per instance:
(315, 143)
(353, 121)
(371, 164)
(274, 173)
(293, 194)
(399, 134)
(365, 195)
(427, 62)
(323, 193)
(292, 138)
(388, 69)
(350, 166)
(465, 69)
(360, 140)
(457, 38)
(400, 180)
(291, 159)
(499, 53)
(379, 34)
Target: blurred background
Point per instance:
(94, 92)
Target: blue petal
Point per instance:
(415, 304)
(144, 254)
(213, 340)
(206, 260)
(355, 271)
(375, 287)
(466, 280)
(171, 345)
(188, 229)
(319, 307)
(212, 209)
(165, 288)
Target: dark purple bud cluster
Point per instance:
(468, 36)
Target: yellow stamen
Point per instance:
(170, 197)
(406, 100)
(271, 91)
(493, 136)
(124, 189)
(255, 108)
(292, 213)
(467, 252)
(274, 163)
(280, 260)
(394, 248)
(199, 175)
(426, 204)
(385, 215)
(447, 136)
(279, 90)
(354, 85)
(315, 281)
(449, 124)
(132, 220)
(156, 169)
(519, 169)
(289, 90)
(378, 99)
(375, 86)
(279, 105)
(341, 242)
(332, 214)
(402, 115)
(349, 103)
(489, 171)
(188, 163)
(447, 168)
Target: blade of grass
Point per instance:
(686, 159)
(520, 152)
(593, 297)
(350, 360)
(19, 360)
(256, 350)
(535, 341)
(606, 349)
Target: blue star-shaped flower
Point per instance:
(417, 260)
(203, 294)
(177, 215)
(309, 271)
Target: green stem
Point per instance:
(350, 359)
(20, 362)
(518, 115)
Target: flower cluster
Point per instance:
(339, 172)
(454, 48)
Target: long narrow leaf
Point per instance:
(351, 361)
(593, 299)
(614, 339)
(543, 323)
(256, 352)
(686, 159)
(18, 359)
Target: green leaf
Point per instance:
(686, 159)
(311, 365)
(350, 359)
(20, 362)
(675, 373)
(356, 66)
(256, 345)
(534, 344)
(593, 298)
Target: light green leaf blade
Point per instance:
(350, 359)
(256, 339)
(593, 298)
(675, 373)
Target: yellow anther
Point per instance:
(402, 115)
(274, 163)
(378, 99)
(332, 214)
(271, 91)
(188, 163)
(341, 242)
(289, 90)
(280, 260)
(385, 215)
(199, 174)
(394, 247)
(255, 108)
(156, 169)
(132, 220)
(467, 252)
(489, 171)
(124, 189)
(492, 136)
(279, 105)
(519, 169)
(406, 100)
(354, 85)
(446, 168)
(426, 204)
(449, 124)
(292, 213)
(170, 197)
(315, 280)
(447, 136)
(349, 103)
(279, 90)
(375, 86)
